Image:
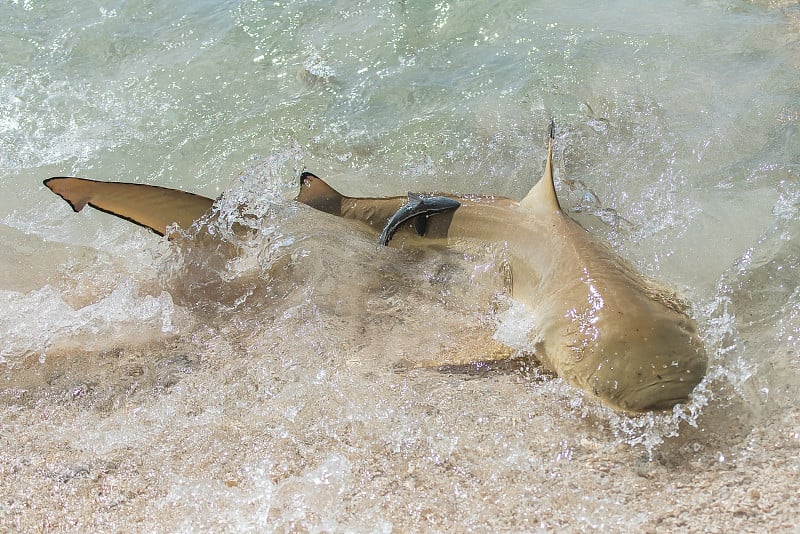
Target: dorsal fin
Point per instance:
(543, 195)
(316, 193)
(150, 206)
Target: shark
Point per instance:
(597, 322)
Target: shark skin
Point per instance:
(598, 323)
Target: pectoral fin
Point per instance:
(419, 206)
(150, 206)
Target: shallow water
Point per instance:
(175, 387)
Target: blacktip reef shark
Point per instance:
(598, 323)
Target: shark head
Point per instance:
(647, 357)
(655, 372)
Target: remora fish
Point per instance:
(597, 323)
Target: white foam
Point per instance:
(515, 325)
(42, 320)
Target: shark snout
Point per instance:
(661, 395)
(658, 387)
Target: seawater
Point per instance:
(172, 386)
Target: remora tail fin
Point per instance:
(543, 195)
(150, 206)
(316, 193)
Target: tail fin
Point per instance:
(543, 194)
(150, 206)
(316, 193)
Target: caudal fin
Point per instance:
(150, 206)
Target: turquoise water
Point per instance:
(151, 382)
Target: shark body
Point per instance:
(597, 322)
